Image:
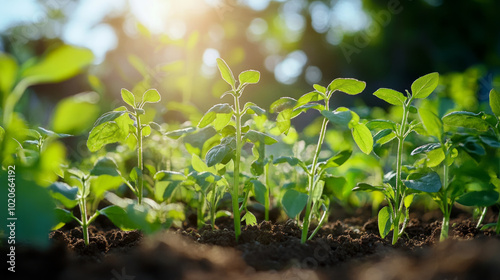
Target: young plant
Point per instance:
(234, 136)
(477, 132)
(288, 108)
(395, 216)
(70, 196)
(126, 126)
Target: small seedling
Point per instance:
(125, 126)
(395, 216)
(234, 136)
(288, 108)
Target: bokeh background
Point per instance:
(172, 46)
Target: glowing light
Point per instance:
(349, 15)
(313, 75)
(210, 57)
(288, 70)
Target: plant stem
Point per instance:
(399, 198)
(12, 100)
(481, 218)
(236, 172)
(213, 207)
(311, 181)
(268, 194)
(201, 202)
(140, 183)
(447, 207)
(83, 211)
(497, 229)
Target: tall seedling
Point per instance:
(125, 125)
(288, 108)
(445, 151)
(395, 216)
(234, 136)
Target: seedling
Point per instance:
(234, 136)
(395, 216)
(125, 126)
(70, 196)
(288, 108)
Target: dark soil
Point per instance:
(343, 249)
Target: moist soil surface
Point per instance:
(347, 248)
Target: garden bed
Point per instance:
(349, 248)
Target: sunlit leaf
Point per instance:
(495, 102)
(432, 123)
(391, 96)
(363, 138)
(151, 96)
(249, 77)
(425, 85)
(59, 64)
(466, 120)
(347, 85)
(76, 114)
(128, 97)
(226, 72)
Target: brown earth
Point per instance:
(344, 249)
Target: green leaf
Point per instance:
(128, 97)
(226, 72)
(109, 132)
(151, 96)
(425, 85)
(495, 102)
(293, 161)
(338, 117)
(109, 116)
(63, 216)
(429, 182)
(466, 120)
(260, 191)
(426, 148)
(211, 114)
(384, 136)
(100, 185)
(282, 104)
(166, 175)
(318, 191)
(293, 202)
(59, 64)
(381, 124)
(105, 166)
(337, 160)
(8, 68)
(363, 138)
(320, 89)
(119, 217)
(435, 157)
(432, 123)
(309, 97)
(64, 189)
(283, 121)
(391, 96)
(175, 134)
(479, 198)
(219, 153)
(76, 114)
(364, 187)
(256, 136)
(249, 77)
(347, 85)
(384, 221)
(249, 219)
(253, 109)
(200, 166)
